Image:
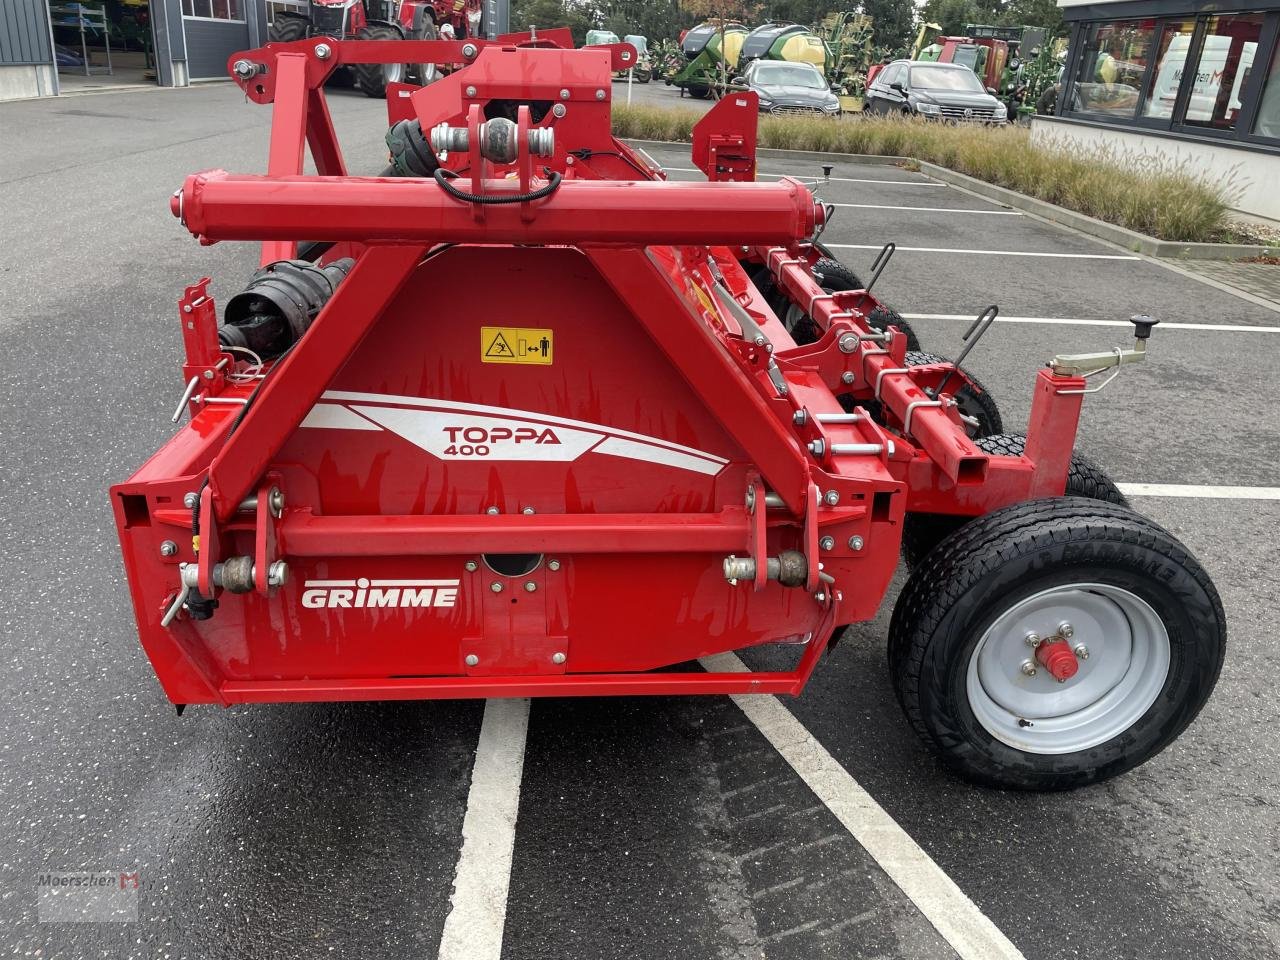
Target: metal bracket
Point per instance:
(881, 261)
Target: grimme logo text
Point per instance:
(331, 594)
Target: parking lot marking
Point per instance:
(478, 906)
(893, 206)
(987, 253)
(1200, 491)
(794, 176)
(956, 918)
(1074, 321)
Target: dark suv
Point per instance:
(939, 91)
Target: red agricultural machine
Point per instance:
(380, 20)
(520, 417)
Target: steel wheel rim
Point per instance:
(392, 72)
(1127, 665)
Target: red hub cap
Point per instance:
(1057, 657)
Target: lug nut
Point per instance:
(1028, 668)
(1066, 631)
(1033, 639)
(1081, 651)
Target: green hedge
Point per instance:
(1159, 199)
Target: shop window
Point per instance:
(1171, 63)
(1226, 58)
(1268, 122)
(1112, 65)
(213, 9)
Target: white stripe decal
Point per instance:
(1203, 491)
(335, 416)
(966, 928)
(484, 409)
(1073, 321)
(478, 906)
(796, 176)
(618, 447)
(986, 253)
(894, 206)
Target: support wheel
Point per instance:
(921, 532)
(374, 77)
(287, 27)
(1055, 643)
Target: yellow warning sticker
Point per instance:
(516, 345)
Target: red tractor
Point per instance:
(381, 20)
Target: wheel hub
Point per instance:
(1099, 658)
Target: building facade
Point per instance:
(1194, 83)
(171, 43)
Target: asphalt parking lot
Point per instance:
(643, 828)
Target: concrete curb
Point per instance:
(1121, 236)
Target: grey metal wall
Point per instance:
(210, 43)
(24, 32)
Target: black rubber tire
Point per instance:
(370, 77)
(922, 532)
(288, 27)
(883, 317)
(425, 73)
(1010, 554)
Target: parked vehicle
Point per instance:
(939, 91)
(380, 20)
(790, 88)
(711, 51)
(642, 72)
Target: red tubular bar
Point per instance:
(219, 206)
(305, 535)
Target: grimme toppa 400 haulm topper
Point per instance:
(520, 417)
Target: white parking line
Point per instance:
(1203, 492)
(898, 183)
(959, 921)
(987, 253)
(478, 906)
(893, 206)
(1073, 321)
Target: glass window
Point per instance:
(1268, 122)
(889, 75)
(944, 78)
(1171, 62)
(1223, 69)
(1111, 67)
(188, 8)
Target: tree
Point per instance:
(894, 22)
(552, 13)
(951, 15)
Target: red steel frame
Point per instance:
(672, 254)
